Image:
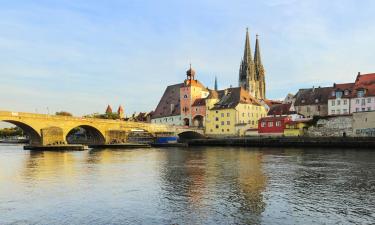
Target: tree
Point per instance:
(63, 113)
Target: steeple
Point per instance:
(215, 84)
(247, 52)
(259, 71)
(108, 110)
(257, 58)
(247, 69)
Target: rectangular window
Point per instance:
(278, 123)
(338, 102)
(345, 102)
(222, 114)
(263, 124)
(332, 111)
(222, 122)
(345, 111)
(228, 122)
(243, 114)
(357, 109)
(333, 102)
(368, 108)
(363, 109)
(338, 111)
(363, 102)
(270, 124)
(228, 114)
(369, 100)
(357, 101)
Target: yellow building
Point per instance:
(231, 112)
(295, 128)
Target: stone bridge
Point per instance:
(49, 129)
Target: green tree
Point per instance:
(63, 113)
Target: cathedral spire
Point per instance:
(257, 58)
(215, 84)
(259, 72)
(247, 52)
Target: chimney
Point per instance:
(359, 73)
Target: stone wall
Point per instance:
(364, 124)
(332, 127)
(52, 136)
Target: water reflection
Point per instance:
(187, 185)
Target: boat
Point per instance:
(15, 140)
(167, 139)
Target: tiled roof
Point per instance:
(270, 102)
(234, 96)
(367, 82)
(215, 94)
(342, 87)
(312, 96)
(171, 97)
(280, 109)
(199, 102)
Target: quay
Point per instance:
(122, 145)
(55, 147)
(288, 142)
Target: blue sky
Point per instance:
(81, 55)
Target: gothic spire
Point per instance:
(215, 84)
(257, 58)
(247, 52)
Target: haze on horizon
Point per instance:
(79, 56)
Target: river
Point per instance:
(203, 185)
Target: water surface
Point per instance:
(207, 185)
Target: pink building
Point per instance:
(192, 94)
(363, 94)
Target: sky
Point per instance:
(79, 56)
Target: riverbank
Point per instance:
(325, 142)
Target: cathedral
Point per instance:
(252, 75)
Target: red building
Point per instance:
(273, 125)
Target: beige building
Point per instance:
(364, 124)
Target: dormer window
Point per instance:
(338, 94)
(360, 93)
(346, 92)
(303, 100)
(333, 93)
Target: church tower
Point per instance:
(247, 68)
(252, 75)
(259, 71)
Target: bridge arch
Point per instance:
(34, 135)
(190, 135)
(85, 134)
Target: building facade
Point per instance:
(363, 94)
(312, 101)
(339, 99)
(231, 112)
(182, 104)
(252, 73)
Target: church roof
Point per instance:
(169, 104)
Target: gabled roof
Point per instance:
(312, 96)
(213, 94)
(169, 104)
(367, 82)
(234, 96)
(342, 87)
(280, 109)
